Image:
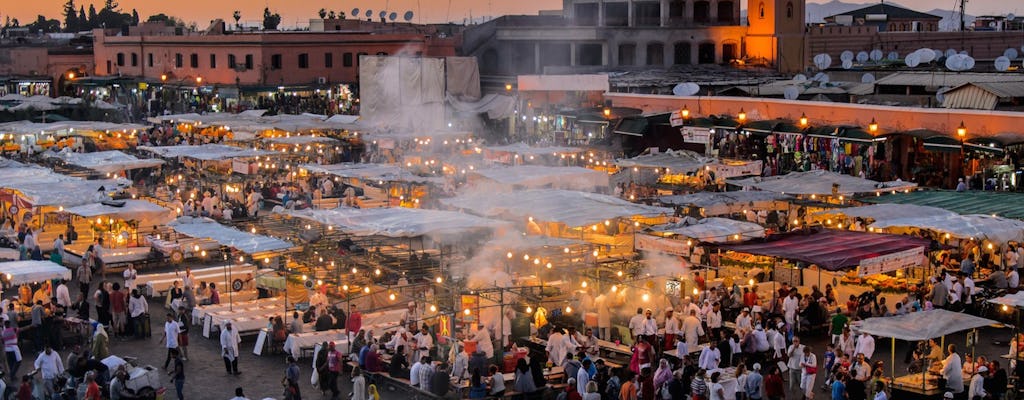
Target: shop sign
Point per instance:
(695, 134)
(662, 245)
(892, 262)
(730, 170)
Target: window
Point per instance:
(328, 60)
(248, 61)
(232, 63)
(275, 61)
(213, 61)
(760, 11)
(193, 60)
(149, 60)
(135, 59)
(789, 10)
(108, 67)
(303, 60)
(346, 60)
(120, 59)
(178, 60)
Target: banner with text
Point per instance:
(662, 245)
(892, 262)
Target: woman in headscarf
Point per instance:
(663, 374)
(372, 393)
(524, 378)
(100, 343)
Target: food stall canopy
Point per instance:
(538, 176)
(820, 182)
(1012, 300)
(571, 208)
(104, 161)
(718, 203)
(832, 250)
(922, 325)
(398, 222)
(516, 242)
(996, 229)
(205, 228)
(678, 161)
(303, 139)
(713, 230)
(147, 213)
(29, 271)
(66, 127)
(1005, 204)
(66, 193)
(206, 152)
(527, 150)
(370, 172)
(885, 212)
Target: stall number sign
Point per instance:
(892, 262)
(695, 134)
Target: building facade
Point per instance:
(887, 18)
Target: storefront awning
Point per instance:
(829, 249)
(633, 126)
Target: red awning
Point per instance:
(829, 249)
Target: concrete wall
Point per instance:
(979, 123)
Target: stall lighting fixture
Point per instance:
(742, 116)
(803, 119)
(873, 126)
(961, 131)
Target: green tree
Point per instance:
(43, 25)
(83, 21)
(322, 13)
(92, 16)
(135, 17)
(110, 5)
(167, 20)
(237, 15)
(270, 21)
(71, 23)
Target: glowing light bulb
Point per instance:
(439, 280)
(526, 257)
(619, 274)
(319, 282)
(696, 291)
(376, 272)
(536, 261)
(344, 287)
(304, 277)
(615, 288)
(355, 270)
(466, 311)
(646, 297)
(595, 253)
(391, 297)
(583, 284)
(566, 250)
(366, 290)
(548, 265)
(529, 310)
(433, 308)
(568, 309)
(509, 255)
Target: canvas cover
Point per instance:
(922, 325)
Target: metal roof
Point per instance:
(1000, 89)
(945, 78)
(890, 10)
(1003, 204)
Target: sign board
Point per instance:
(676, 119)
(732, 170)
(892, 262)
(695, 134)
(662, 245)
(240, 167)
(471, 303)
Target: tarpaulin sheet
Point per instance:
(886, 212)
(1005, 204)
(681, 161)
(105, 161)
(205, 152)
(552, 205)
(402, 92)
(996, 229)
(922, 325)
(205, 228)
(524, 149)
(463, 77)
(538, 176)
(33, 271)
(820, 182)
(496, 106)
(370, 172)
(396, 222)
(147, 213)
(829, 249)
(715, 230)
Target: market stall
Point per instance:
(1005, 204)
(16, 273)
(821, 183)
(917, 326)
(522, 153)
(248, 243)
(109, 162)
(537, 177)
(749, 203)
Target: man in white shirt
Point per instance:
(714, 319)
(649, 327)
(710, 358)
(795, 354)
(865, 345)
(239, 394)
(229, 340)
(808, 371)
(137, 306)
(743, 322)
(692, 330)
(789, 308)
(556, 347)
(671, 329)
(130, 275)
(424, 342)
(49, 364)
(777, 339)
(414, 373)
(170, 337)
(58, 246)
(636, 323)
(760, 339)
(62, 294)
(968, 294)
(952, 371)
(1013, 278)
(956, 293)
(977, 388)
(583, 376)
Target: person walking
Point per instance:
(332, 364)
(773, 387)
(184, 321)
(177, 374)
(754, 383)
(795, 354)
(229, 340)
(49, 364)
(291, 380)
(170, 337)
(808, 371)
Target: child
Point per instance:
(681, 349)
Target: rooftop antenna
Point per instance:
(961, 7)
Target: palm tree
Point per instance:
(323, 13)
(237, 16)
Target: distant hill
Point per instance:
(816, 13)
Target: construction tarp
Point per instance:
(397, 222)
(832, 250)
(496, 106)
(714, 230)
(538, 176)
(402, 93)
(105, 161)
(146, 213)
(563, 83)
(205, 228)
(66, 193)
(29, 271)
(1012, 300)
(676, 161)
(571, 208)
(820, 182)
(1004, 204)
(721, 203)
(922, 325)
(980, 227)
(205, 152)
(462, 78)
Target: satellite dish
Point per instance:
(925, 55)
(355, 12)
(686, 89)
(951, 52)
(1010, 17)
(867, 78)
(800, 78)
(963, 53)
(959, 62)
(912, 60)
(847, 64)
(818, 76)
(940, 95)
(823, 78)
(382, 14)
(846, 55)
(823, 85)
(862, 57)
(407, 16)
(791, 92)
(369, 13)
(1002, 63)
(876, 55)
(1010, 53)
(992, 24)
(822, 61)
(393, 16)
(968, 62)
(893, 56)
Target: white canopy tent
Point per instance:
(1010, 300)
(206, 152)
(29, 271)
(248, 243)
(147, 213)
(678, 161)
(65, 127)
(922, 325)
(714, 230)
(369, 172)
(538, 176)
(722, 203)
(820, 182)
(302, 139)
(66, 193)
(527, 150)
(397, 222)
(886, 212)
(982, 227)
(571, 208)
(105, 161)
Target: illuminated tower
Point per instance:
(776, 32)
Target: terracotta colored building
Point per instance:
(32, 70)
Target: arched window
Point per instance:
(789, 10)
(760, 10)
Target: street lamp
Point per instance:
(607, 112)
(803, 119)
(961, 131)
(71, 75)
(508, 87)
(685, 112)
(742, 116)
(873, 126)
(199, 80)
(163, 77)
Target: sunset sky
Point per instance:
(297, 12)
